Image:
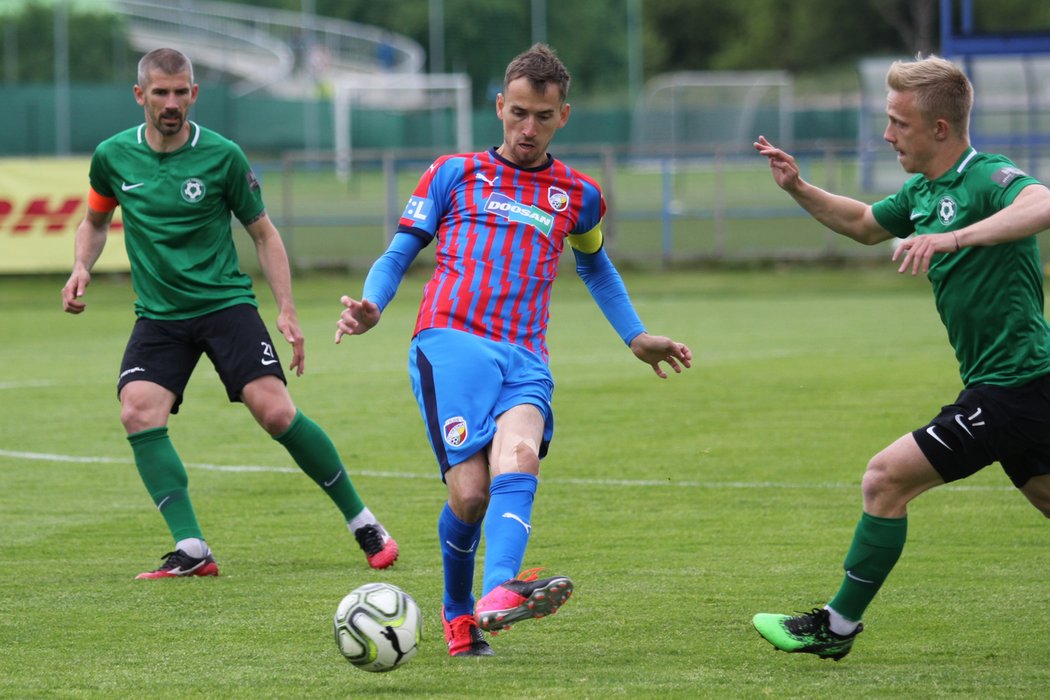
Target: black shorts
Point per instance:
(166, 352)
(1009, 425)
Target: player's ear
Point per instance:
(500, 101)
(566, 108)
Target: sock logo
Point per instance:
(528, 528)
(468, 550)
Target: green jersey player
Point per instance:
(178, 184)
(973, 216)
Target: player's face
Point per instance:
(166, 100)
(910, 133)
(530, 119)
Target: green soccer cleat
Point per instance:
(806, 633)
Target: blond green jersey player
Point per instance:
(974, 215)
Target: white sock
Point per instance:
(363, 518)
(838, 624)
(194, 547)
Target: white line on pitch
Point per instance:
(233, 468)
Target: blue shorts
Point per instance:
(463, 383)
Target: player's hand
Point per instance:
(919, 250)
(654, 349)
(783, 166)
(288, 325)
(358, 317)
(74, 289)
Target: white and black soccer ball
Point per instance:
(378, 627)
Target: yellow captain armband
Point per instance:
(589, 242)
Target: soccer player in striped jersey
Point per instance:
(973, 216)
(177, 184)
(500, 220)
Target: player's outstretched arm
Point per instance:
(844, 215)
(381, 283)
(90, 240)
(654, 349)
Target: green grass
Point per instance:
(680, 508)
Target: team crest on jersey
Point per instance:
(193, 190)
(946, 210)
(253, 182)
(515, 212)
(455, 431)
(558, 198)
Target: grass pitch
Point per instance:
(680, 508)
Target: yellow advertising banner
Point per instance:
(42, 201)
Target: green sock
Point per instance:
(165, 478)
(315, 454)
(877, 545)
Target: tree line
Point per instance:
(595, 39)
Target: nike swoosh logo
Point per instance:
(933, 433)
(959, 420)
(915, 215)
(179, 571)
(164, 500)
(528, 528)
(850, 574)
(127, 188)
(468, 550)
(268, 362)
(333, 480)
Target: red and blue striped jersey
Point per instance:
(500, 232)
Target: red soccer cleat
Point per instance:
(463, 636)
(377, 544)
(178, 563)
(522, 598)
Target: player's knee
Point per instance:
(879, 482)
(136, 415)
(469, 505)
(275, 419)
(526, 458)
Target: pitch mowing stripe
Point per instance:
(629, 483)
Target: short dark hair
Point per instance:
(541, 66)
(167, 61)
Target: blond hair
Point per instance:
(942, 90)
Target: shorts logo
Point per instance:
(946, 210)
(455, 431)
(269, 357)
(193, 190)
(515, 212)
(557, 198)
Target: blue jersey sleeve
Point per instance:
(386, 273)
(607, 288)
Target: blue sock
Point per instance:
(459, 545)
(507, 527)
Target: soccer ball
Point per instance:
(378, 627)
